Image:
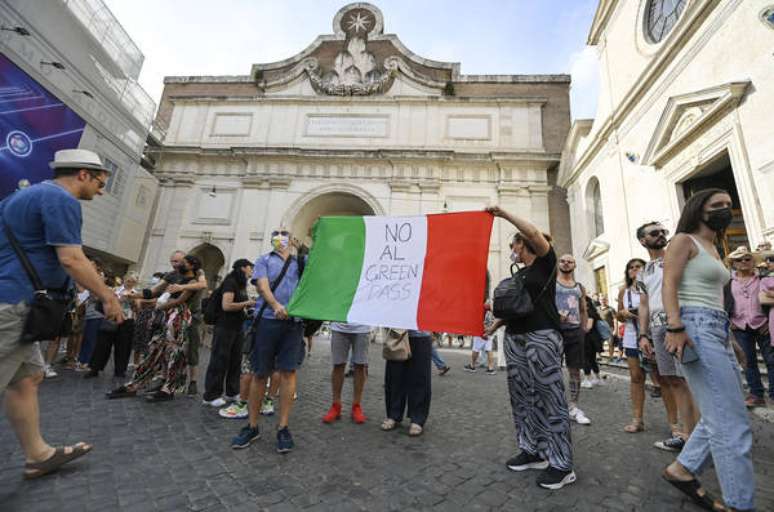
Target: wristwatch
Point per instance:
(646, 337)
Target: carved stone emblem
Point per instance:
(355, 70)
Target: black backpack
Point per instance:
(213, 307)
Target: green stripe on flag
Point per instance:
(332, 272)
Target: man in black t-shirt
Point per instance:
(226, 358)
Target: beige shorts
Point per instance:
(17, 360)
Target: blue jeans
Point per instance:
(437, 361)
(90, 332)
(747, 340)
(724, 429)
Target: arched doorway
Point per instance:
(331, 203)
(212, 262)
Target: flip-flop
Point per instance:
(691, 489)
(389, 424)
(58, 459)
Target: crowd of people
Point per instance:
(680, 316)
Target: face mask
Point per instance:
(515, 258)
(280, 242)
(718, 220)
(155, 280)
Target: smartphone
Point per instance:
(689, 354)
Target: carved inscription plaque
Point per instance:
(347, 126)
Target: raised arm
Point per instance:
(199, 284)
(526, 228)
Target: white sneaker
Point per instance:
(218, 402)
(596, 381)
(587, 384)
(231, 398)
(49, 372)
(579, 417)
(267, 407)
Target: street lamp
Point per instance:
(53, 63)
(19, 30)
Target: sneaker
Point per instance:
(192, 390)
(443, 371)
(579, 417)
(587, 384)
(218, 402)
(469, 368)
(333, 414)
(49, 372)
(267, 407)
(234, 398)
(673, 444)
(555, 479)
(91, 374)
(357, 414)
(596, 381)
(491, 371)
(284, 441)
(755, 401)
(246, 436)
(235, 411)
(525, 461)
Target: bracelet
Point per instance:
(647, 337)
(676, 329)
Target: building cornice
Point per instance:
(676, 41)
(344, 100)
(602, 16)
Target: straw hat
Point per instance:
(77, 159)
(740, 252)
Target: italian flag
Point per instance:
(426, 272)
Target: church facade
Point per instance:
(354, 124)
(686, 87)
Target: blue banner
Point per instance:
(34, 124)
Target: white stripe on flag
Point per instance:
(391, 277)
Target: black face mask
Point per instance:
(720, 219)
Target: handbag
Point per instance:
(511, 299)
(396, 346)
(247, 348)
(46, 314)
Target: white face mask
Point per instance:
(155, 280)
(515, 258)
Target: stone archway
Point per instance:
(330, 203)
(212, 262)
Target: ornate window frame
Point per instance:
(646, 46)
(767, 16)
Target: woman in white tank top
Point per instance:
(628, 302)
(697, 334)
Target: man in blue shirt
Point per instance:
(278, 340)
(46, 220)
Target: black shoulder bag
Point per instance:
(248, 347)
(511, 299)
(46, 315)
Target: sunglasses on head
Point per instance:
(657, 232)
(277, 233)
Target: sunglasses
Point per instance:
(277, 233)
(657, 232)
(102, 183)
(745, 259)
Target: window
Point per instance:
(115, 182)
(767, 16)
(594, 203)
(661, 16)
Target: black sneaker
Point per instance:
(525, 461)
(491, 371)
(284, 441)
(555, 479)
(246, 436)
(192, 390)
(470, 368)
(673, 444)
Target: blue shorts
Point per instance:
(277, 344)
(632, 352)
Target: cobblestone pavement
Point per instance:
(176, 455)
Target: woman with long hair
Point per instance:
(628, 302)
(166, 362)
(698, 336)
(533, 354)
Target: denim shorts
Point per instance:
(277, 345)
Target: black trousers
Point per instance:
(590, 356)
(408, 383)
(119, 342)
(225, 363)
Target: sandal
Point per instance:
(415, 430)
(691, 489)
(58, 459)
(120, 392)
(389, 424)
(635, 426)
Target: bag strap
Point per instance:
(272, 287)
(25, 261)
(552, 277)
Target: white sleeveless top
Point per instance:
(631, 300)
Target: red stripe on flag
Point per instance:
(454, 279)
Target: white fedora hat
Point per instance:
(77, 159)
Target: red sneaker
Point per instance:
(357, 414)
(334, 413)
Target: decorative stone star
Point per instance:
(358, 22)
